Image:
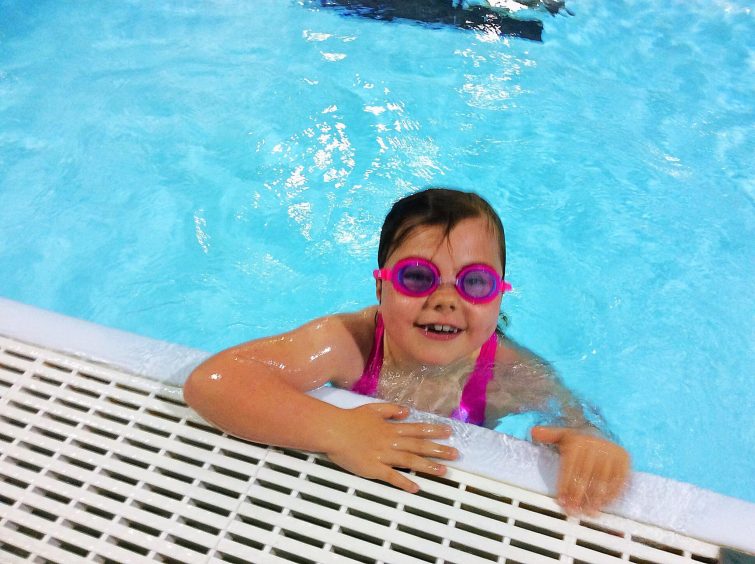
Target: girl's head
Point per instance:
(452, 230)
(436, 207)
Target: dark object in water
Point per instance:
(436, 13)
(731, 556)
(553, 6)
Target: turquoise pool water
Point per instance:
(212, 172)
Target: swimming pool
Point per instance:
(167, 168)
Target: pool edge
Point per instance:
(650, 499)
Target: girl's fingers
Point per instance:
(614, 475)
(598, 495)
(410, 461)
(617, 480)
(426, 448)
(591, 477)
(383, 446)
(581, 479)
(396, 478)
(565, 477)
(395, 411)
(548, 435)
(424, 430)
(388, 410)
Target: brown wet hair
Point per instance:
(436, 207)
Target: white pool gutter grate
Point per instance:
(97, 464)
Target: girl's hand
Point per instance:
(367, 443)
(593, 470)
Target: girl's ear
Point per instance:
(378, 290)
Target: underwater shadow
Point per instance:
(440, 13)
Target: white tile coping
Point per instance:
(665, 503)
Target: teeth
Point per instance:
(444, 328)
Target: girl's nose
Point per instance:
(444, 296)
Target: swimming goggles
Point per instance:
(418, 277)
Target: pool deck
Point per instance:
(649, 500)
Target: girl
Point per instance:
(432, 343)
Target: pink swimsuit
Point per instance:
(473, 397)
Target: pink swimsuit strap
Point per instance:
(474, 395)
(368, 382)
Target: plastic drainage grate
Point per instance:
(101, 465)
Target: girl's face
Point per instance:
(410, 339)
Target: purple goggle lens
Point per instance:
(418, 277)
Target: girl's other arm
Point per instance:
(593, 469)
(257, 391)
(525, 382)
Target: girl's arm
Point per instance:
(525, 382)
(593, 469)
(257, 391)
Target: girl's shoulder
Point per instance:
(509, 352)
(331, 348)
(359, 324)
(353, 334)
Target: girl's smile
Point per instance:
(440, 332)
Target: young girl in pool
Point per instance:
(431, 343)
